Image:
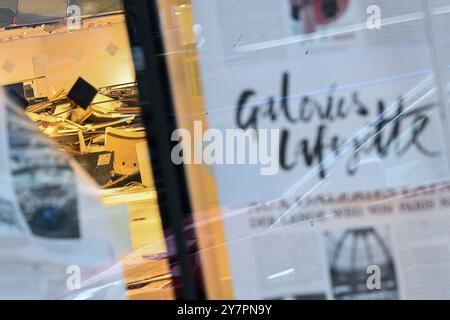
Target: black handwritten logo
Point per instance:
(389, 133)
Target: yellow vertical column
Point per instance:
(183, 63)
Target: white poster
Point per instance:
(350, 86)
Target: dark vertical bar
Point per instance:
(158, 110)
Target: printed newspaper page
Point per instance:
(329, 246)
(50, 228)
(360, 182)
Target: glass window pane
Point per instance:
(342, 109)
(81, 180)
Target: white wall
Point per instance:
(63, 57)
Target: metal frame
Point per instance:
(158, 114)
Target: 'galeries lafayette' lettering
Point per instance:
(388, 131)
